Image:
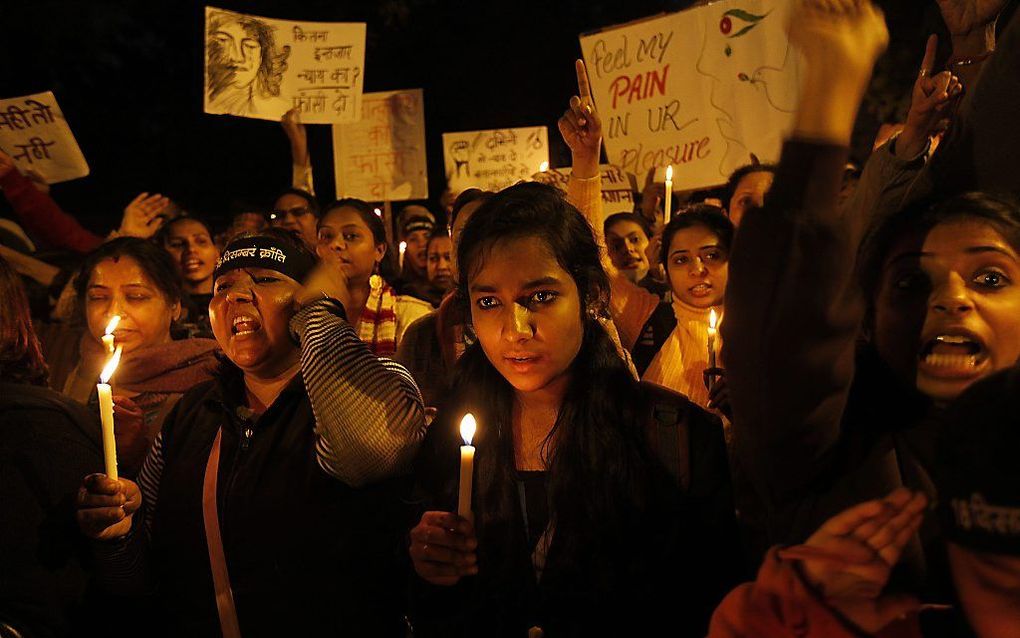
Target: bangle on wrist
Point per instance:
(956, 62)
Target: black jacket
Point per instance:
(48, 444)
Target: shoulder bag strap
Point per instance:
(217, 560)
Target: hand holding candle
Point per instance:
(105, 393)
(108, 336)
(467, 465)
(668, 202)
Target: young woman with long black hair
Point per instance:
(600, 503)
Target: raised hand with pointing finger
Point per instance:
(932, 99)
(581, 127)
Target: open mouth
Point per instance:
(193, 264)
(700, 290)
(522, 362)
(962, 353)
(245, 325)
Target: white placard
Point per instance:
(382, 157)
(701, 89)
(492, 160)
(261, 67)
(617, 187)
(34, 132)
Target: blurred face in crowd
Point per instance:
(193, 250)
(250, 313)
(526, 311)
(697, 267)
(239, 51)
(627, 244)
(948, 306)
(121, 287)
(417, 242)
(440, 258)
(750, 193)
(294, 213)
(989, 588)
(466, 211)
(344, 235)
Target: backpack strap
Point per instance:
(653, 334)
(669, 434)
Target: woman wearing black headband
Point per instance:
(278, 483)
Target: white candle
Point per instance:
(403, 249)
(108, 336)
(467, 465)
(713, 322)
(668, 204)
(106, 413)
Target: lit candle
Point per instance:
(543, 167)
(669, 194)
(403, 249)
(467, 465)
(108, 337)
(713, 321)
(378, 212)
(106, 413)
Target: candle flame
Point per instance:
(543, 167)
(403, 247)
(467, 428)
(669, 173)
(713, 319)
(111, 365)
(110, 327)
(378, 213)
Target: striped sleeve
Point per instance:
(121, 564)
(369, 417)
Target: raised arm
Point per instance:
(792, 307)
(581, 128)
(301, 160)
(369, 415)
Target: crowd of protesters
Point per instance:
(791, 410)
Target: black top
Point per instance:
(534, 504)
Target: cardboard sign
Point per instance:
(618, 188)
(382, 157)
(34, 132)
(493, 160)
(701, 89)
(261, 68)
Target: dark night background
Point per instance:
(128, 76)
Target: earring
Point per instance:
(375, 282)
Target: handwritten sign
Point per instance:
(701, 89)
(493, 160)
(35, 134)
(618, 188)
(260, 67)
(382, 157)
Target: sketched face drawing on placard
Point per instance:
(746, 69)
(244, 68)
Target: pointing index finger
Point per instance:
(929, 55)
(583, 88)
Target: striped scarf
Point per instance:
(378, 325)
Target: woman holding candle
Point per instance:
(295, 450)
(352, 237)
(578, 524)
(667, 341)
(138, 282)
(47, 442)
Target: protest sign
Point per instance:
(617, 187)
(382, 157)
(493, 160)
(261, 67)
(35, 134)
(701, 89)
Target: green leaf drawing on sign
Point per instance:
(744, 30)
(744, 15)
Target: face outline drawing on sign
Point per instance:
(745, 72)
(244, 67)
